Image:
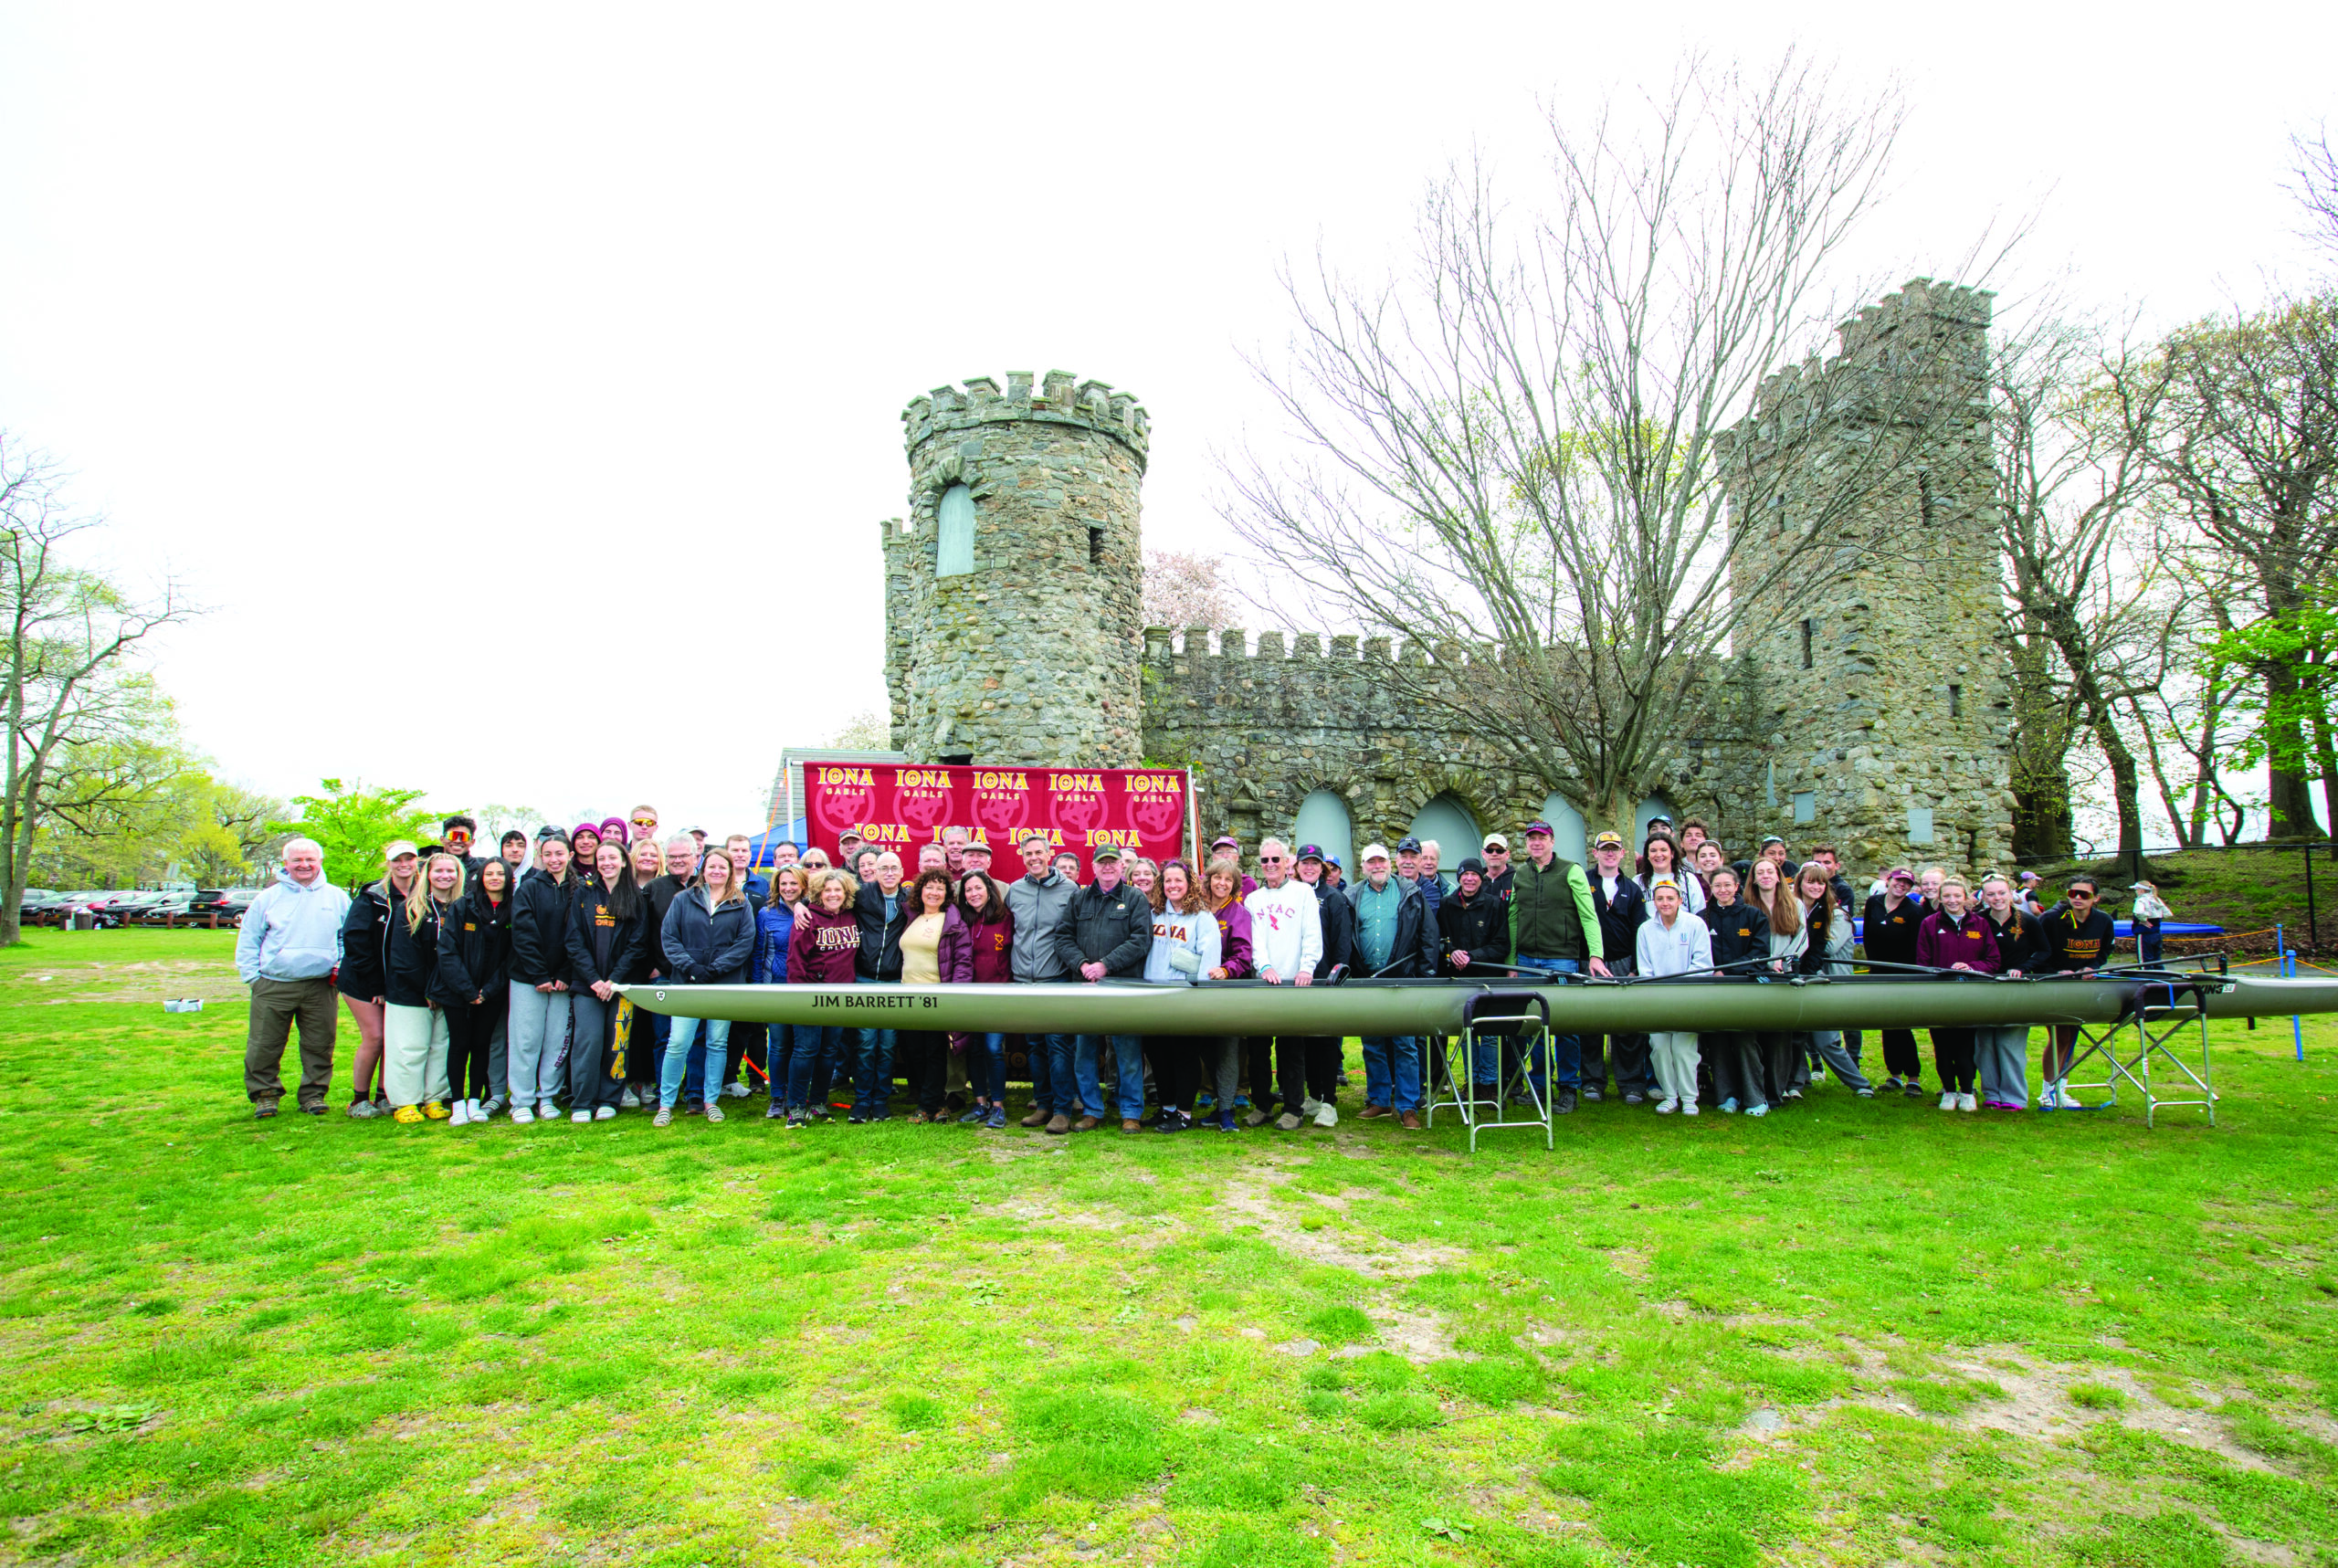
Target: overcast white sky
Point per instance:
(520, 387)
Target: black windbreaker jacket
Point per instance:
(364, 942)
(601, 946)
(2021, 943)
(1739, 932)
(1114, 929)
(540, 916)
(412, 964)
(1338, 929)
(475, 951)
(1890, 936)
(1477, 926)
(881, 939)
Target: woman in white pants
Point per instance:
(1674, 943)
(414, 1026)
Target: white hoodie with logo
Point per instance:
(1286, 929)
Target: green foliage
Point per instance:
(353, 823)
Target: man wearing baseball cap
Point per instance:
(1500, 880)
(1394, 938)
(1553, 925)
(1108, 934)
(1039, 901)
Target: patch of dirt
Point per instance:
(155, 980)
(2038, 1404)
(1247, 1197)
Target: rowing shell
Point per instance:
(1444, 1006)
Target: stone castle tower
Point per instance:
(1877, 717)
(1881, 709)
(1012, 589)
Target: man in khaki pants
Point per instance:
(286, 951)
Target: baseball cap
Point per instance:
(1471, 863)
(1541, 826)
(1408, 845)
(2031, 877)
(1374, 852)
(1899, 874)
(1104, 852)
(1311, 852)
(1610, 839)
(2143, 888)
(395, 847)
(1226, 841)
(1496, 841)
(976, 846)
(1333, 861)
(551, 830)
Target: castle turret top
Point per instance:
(1058, 400)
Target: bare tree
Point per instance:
(864, 731)
(2248, 446)
(2315, 171)
(2071, 420)
(67, 697)
(1523, 447)
(1184, 588)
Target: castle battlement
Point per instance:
(1917, 319)
(1058, 398)
(1164, 643)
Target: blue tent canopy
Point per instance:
(760, 849)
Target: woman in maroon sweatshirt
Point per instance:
(1956, 937)
(822, 951)
(980, 950)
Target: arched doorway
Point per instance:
(1651, 808)
(1323, 820)
(1448, 821)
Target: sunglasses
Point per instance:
(644, 822)
(2077, 896)
(1270, 860)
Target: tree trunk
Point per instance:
(2042, 828)
(2212, 701)
(2288, 796)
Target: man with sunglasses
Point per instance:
(641, 823)
(1286, 943)
(1500, 880)
(2078, 936)
(455, 835)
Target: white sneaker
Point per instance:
(2066, 1101)
(1327, 1114)
(1688, 1108)
(606, 1113)
(1967, 1102)
(1666, 1106)
(580, 1116)
(522, 1115)
(460, 1115)
(630, 1098)
(1309, 1106)
(547, 1111)
(1948, 1100)
(479, 1113)
(713, 1112)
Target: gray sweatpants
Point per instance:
(538, 1020)
(2001, 1063)
(1828, 1044)
(1674, 1058)
(590, 1087)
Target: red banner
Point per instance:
(897, 806)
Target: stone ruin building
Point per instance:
(1881, 723)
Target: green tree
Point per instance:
(354, 822)
(2291, 725)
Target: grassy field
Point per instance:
(1856, 1333)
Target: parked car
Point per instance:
(228, 904)
(175, 908)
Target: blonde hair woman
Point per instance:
(710, 938)
(414, 1028)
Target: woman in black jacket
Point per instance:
(365, 939)
(474, 966)
(709, 938)
(1888, 933)
(604, 941)
(2001, 1053)
(414, 1046)
(1740, 933)
(2075, 938)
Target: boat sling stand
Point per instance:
(1505, 1036)
(2163, 1020)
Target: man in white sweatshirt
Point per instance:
(1674, 943)
(1286, 939)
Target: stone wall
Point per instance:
(1269, 725)
(1032, 656)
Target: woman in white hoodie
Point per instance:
(1674, 943)
(1184, 949)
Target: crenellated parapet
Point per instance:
(1925, 332)
(1058, 398)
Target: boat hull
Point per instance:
(1440, 1007)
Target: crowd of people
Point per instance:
(484, 985)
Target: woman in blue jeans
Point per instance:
(979, 950)
(709, 940)
(800, 1054)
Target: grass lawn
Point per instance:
(1859, 1332)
